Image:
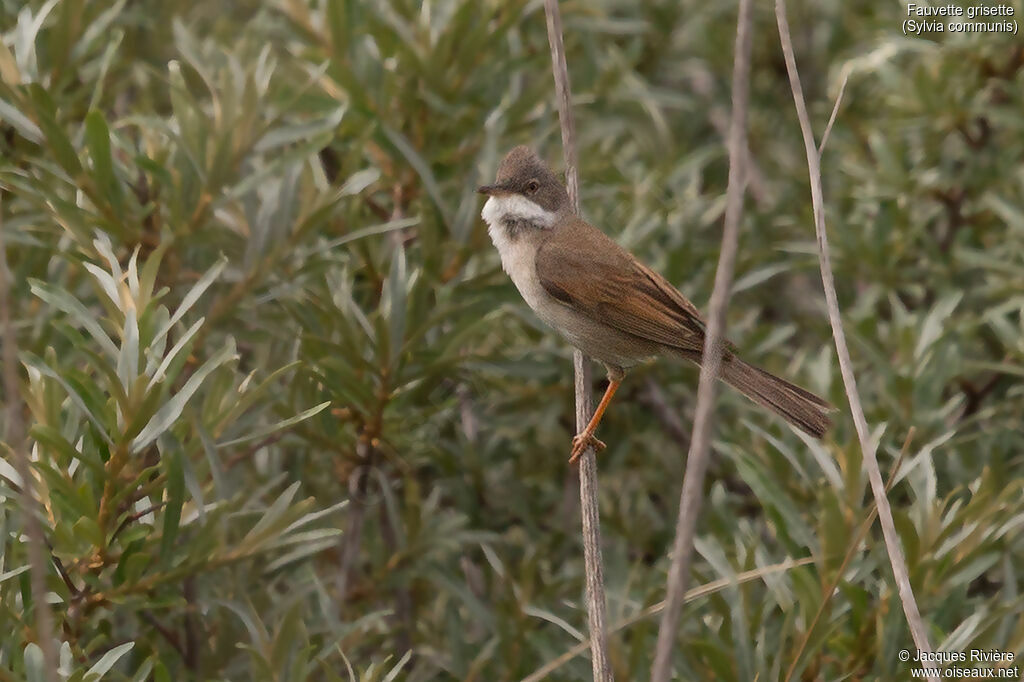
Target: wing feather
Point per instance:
(592, 282)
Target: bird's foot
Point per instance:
(580, 443)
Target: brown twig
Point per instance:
(892, 540)
(164, 631)
(62, 572)
(691, 498)
(30, 507)
(596, 609)
(135, 517)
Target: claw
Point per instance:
(580, 443)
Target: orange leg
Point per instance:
(586, 439)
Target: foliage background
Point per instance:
(351, 442)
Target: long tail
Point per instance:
(801, 408)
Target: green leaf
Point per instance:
(370, 231)
(172, 458)
(273, 428)
(421, 166)
(86, 529)
(37, 364)
(34, 664)
(128, 360)
(285, 135)
(66, 660)
(14, 572)
(107, 662)
(315, 516)
(272, 515)
(221, 483)
(97, 29)
(21, 123)
(50, 437)
(171, 410)
(161, 370)
(106, 282)
(252, 394)
(65, 302)
(194, 487)
(191, 297)
(97, 140)
(60, 145)
(147, 277)
(359, 181)
(931, 330)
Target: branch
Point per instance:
(892, 540)
(30, 508)
(691, 498)
(584, 400)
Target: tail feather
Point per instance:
(799, 407)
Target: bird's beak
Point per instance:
(491, 190)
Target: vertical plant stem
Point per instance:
(30, 508)
(691, 498)
(892, 540)
(596, 610)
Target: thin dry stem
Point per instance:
(892, 540)
(835, 112)
(30, 508)
(691, 498)
(596, 609)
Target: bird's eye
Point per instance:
(532, 186)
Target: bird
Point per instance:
(607, 303)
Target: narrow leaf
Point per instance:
(128, 360)
(97, 140)
(65, 302)
(267, 430)
(36, 363)
(273, 514)
(161, 370)
(104, 665)
(21, 123)
(171, 410)
(175, 499)
(191, 297)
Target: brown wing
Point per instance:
(592, 280)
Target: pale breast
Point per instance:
(594, 338)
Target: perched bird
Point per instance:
(604, 301)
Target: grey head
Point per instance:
(524, 174)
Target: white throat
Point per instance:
(499, 209)
(516, 253)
